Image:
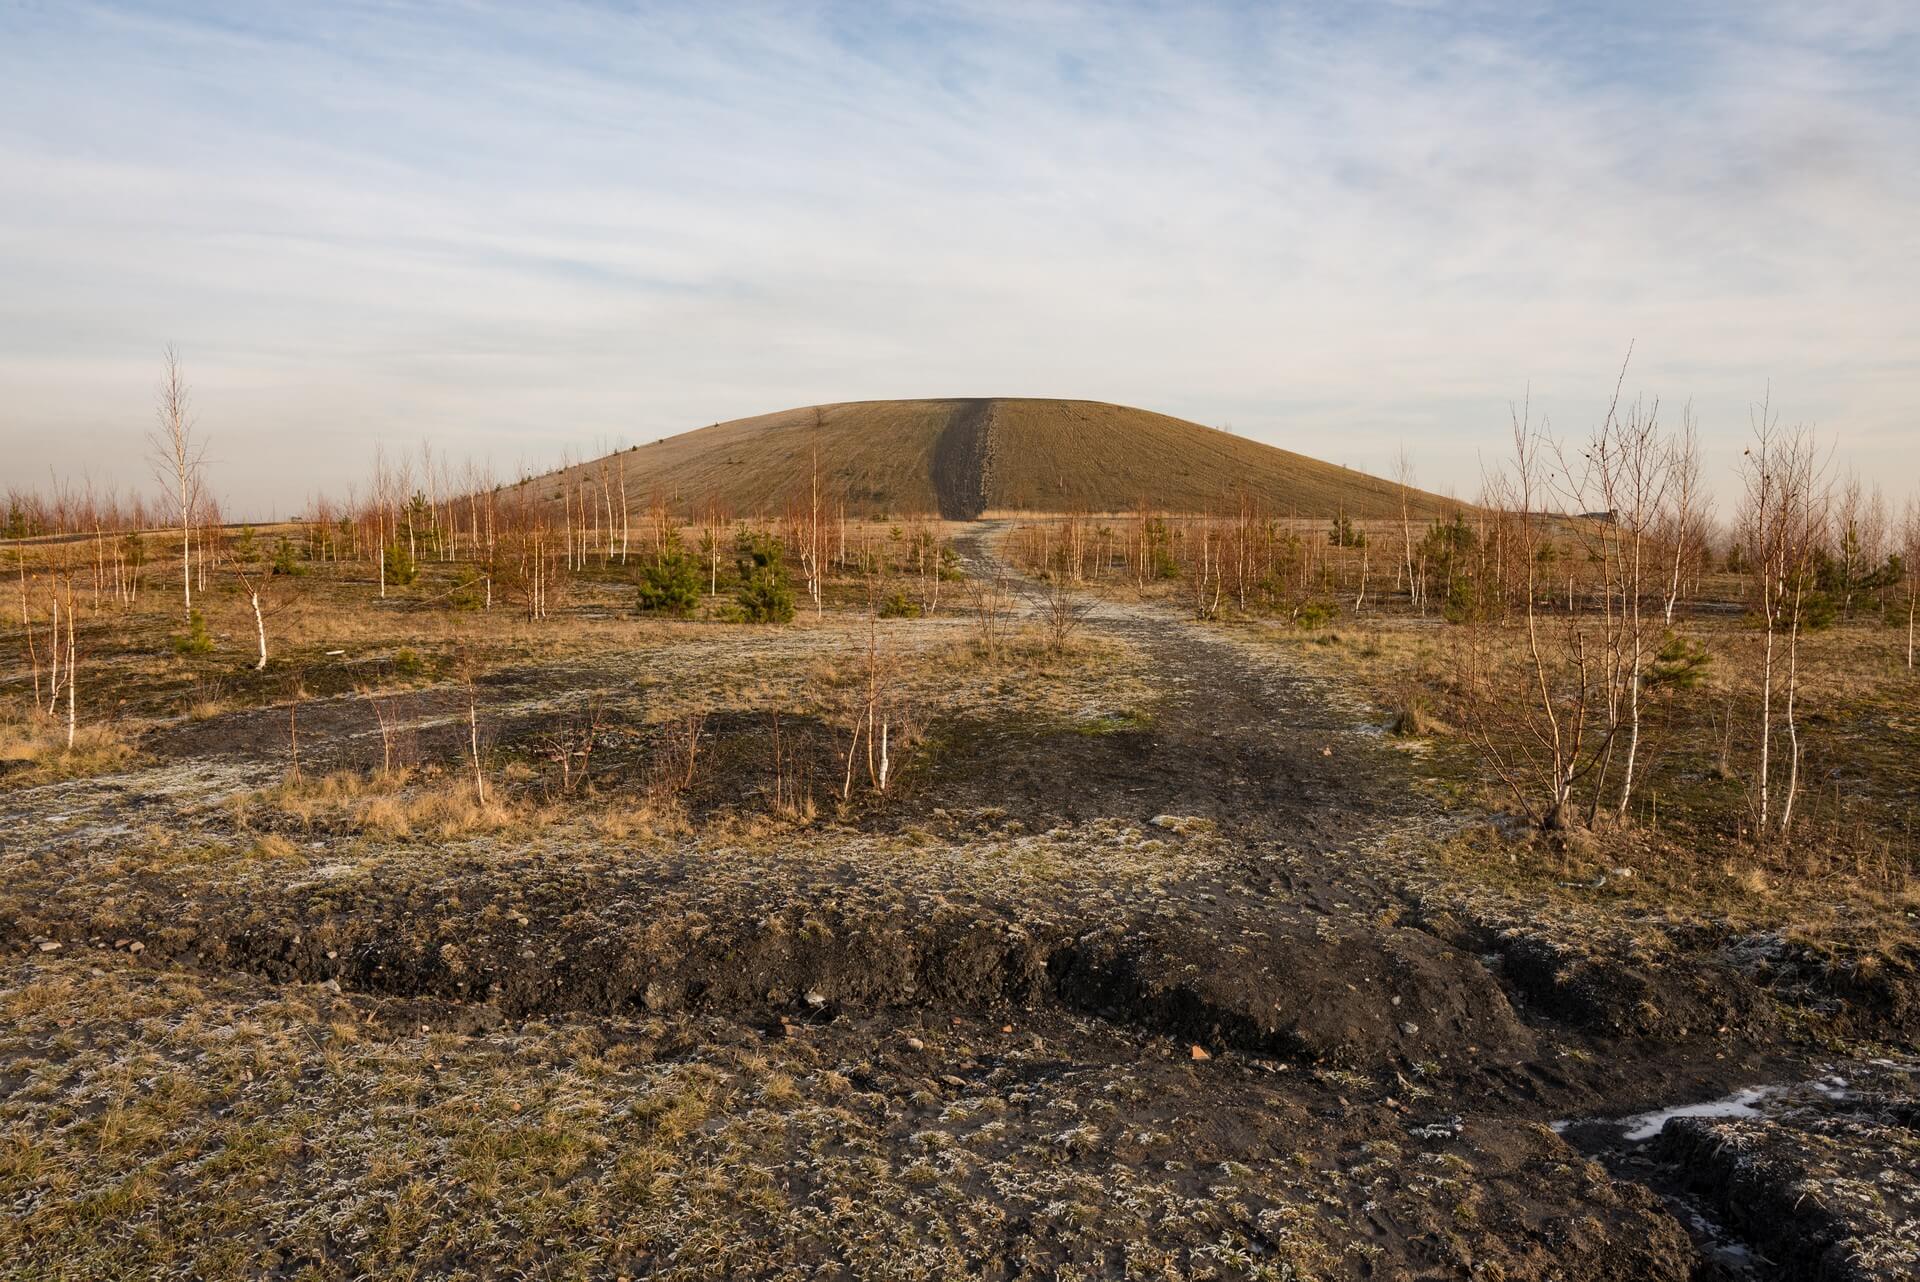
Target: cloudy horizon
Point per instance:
(515, 233)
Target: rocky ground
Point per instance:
(1143, 968)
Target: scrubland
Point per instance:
(1066, 896)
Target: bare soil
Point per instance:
(1146, 968)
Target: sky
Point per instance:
(515, 231)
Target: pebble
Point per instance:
(49, 945)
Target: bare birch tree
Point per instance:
(1403, 477)
(1910, 551)
(1686, 518)
(178, 463)
(1782, 519)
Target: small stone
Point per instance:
(1409, 1029)
(49, 945)
(332, 955)
(915, 1044)
(816, 998)
(1199, 1053)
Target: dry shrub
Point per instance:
(677, 759)
(34, 750)
(1025, 648)
(389, 805)
(1413, 717)
(384, 817)
(657, 817)
(310, 797)
(451, 810)
(273, 846)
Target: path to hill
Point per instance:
(1346, 954)
(1257, 749)
(1169, 980)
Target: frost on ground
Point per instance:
(1146, 964)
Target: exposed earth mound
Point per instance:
(960, 458)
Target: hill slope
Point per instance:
(964, 457)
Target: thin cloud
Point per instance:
(512, 231)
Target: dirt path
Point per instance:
(1306, 788)
(1180, 959)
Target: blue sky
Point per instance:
(516, 230)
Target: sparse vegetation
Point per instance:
(457, 853)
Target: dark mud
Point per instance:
(1192, 909)
(963, 461)
(1812, 1178)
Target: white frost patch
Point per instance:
(1752, 1102)
(1739, 1104)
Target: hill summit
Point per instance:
(965, 457)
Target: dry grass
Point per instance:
(1631, 874)
(394, 806)
(170, 1125)
(655, 818)
(34, 750)
(1848, 873)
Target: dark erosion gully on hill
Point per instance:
(963, 461)
(1298, 976)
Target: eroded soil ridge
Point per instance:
(1155, 983)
